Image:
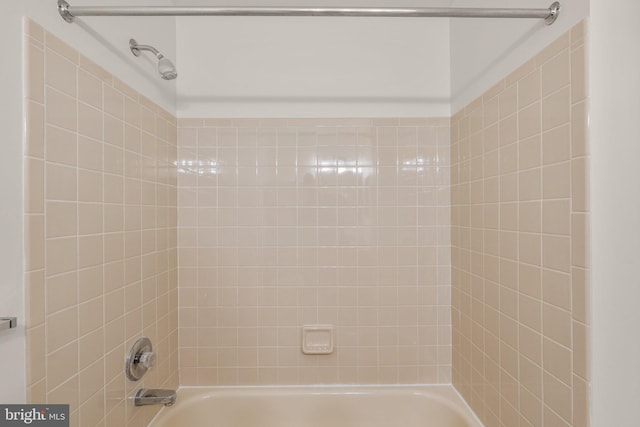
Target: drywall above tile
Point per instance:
(312, 67)
(105, 40)
(483, 51)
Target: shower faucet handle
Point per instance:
(140, 359)
(146, 359)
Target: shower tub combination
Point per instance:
(312, 406)
(342, 406)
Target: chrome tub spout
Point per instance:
(154, 396)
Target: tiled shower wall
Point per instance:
(520, 259)
(290, 222)
(284, 223)
(100, 235)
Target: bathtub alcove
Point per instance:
(432, 210)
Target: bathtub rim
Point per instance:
(445, 394)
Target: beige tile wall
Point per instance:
(520, 258)
(100, 235)
(292, 222)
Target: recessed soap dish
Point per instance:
(317, 339)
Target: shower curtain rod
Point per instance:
(69, 13)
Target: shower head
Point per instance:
(165, 67)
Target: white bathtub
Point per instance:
(376, 406)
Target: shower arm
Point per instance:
(136, 48)
(69, 13)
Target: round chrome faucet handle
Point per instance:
(147, 359)
(140, 359)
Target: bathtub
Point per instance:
(375, 406)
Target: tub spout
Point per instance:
(155, 396)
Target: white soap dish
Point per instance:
(317, 339)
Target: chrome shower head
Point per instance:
(165, 67)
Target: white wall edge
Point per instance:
(614, 61)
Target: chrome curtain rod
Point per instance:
(69, 13)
